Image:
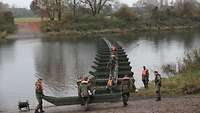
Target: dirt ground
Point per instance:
(183, 104)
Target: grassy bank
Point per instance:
(102, 25)
(3, 35)
(26, 20)
(180, 84)
(183, 83)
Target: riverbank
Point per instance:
(26, 28)
(186, 82)
(184, 104)
(98, 33)
(4, 37)
(7, 25)
(92, 26)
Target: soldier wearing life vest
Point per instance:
(126, 86)
(145, 76)
(114, 50)
(110, 84)
(39, 95)
(84, 90)
(157, 85)
(112, 64)
(78, 85)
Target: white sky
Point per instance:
(26, 3)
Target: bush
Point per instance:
(7, 22)
(126, 13)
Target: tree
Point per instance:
(59, 8)
(35, 9)
(125, 13)
(4, 7)
(95, 6)
(51, 7)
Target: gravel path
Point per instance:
(183, 104)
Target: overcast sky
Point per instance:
(26, 3)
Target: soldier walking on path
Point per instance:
(126, 84)
(39, 95)
(85, 92)
(157, 85)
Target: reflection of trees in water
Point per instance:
(7, 52)
(184, 37)
(59, 63)
(51, 67)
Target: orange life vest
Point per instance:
(145, 72)
(114, 48)
(38, 86)
(109, 83)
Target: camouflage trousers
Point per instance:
(39, 99)
(125, 97)
(158, 95)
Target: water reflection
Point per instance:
(60, 63)
(155, 50)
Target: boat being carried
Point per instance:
(101, 75)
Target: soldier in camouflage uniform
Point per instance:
(39, 95)
(157, 85)
(127, 85)
(84, 88)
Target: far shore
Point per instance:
(73, 33)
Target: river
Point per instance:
(60, 62)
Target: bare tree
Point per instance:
(4, 7)
(96, 6)
(59, 8)
(51, 7)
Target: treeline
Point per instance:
(6, 20)
(110, 15)
(58, 8)
(22, 12)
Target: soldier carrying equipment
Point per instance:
(39, 95)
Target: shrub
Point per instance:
(125, 13)
(7, 22)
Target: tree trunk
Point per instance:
(74, 8)
(59, 9)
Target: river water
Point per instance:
(60, 62)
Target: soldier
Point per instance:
(110, 84)
(157, 85)
(126, 89)
(78, 85)
(39, 95)
(84, 91)
(145, 76)
(114, 50)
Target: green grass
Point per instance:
(32, 19)
(181, 84)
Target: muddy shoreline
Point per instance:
(182, 104)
